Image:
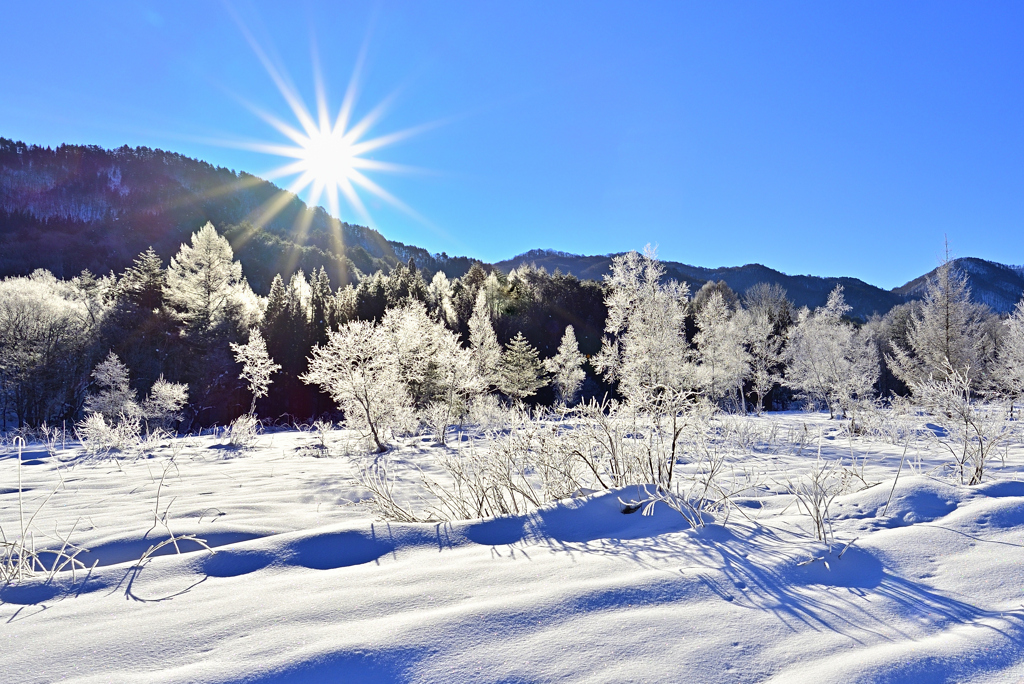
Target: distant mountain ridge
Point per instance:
(997, 285)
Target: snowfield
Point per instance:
(924, 582)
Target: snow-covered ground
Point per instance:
(305, 585)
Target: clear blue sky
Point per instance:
(824, 138)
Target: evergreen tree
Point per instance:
(521, 371)
(143, 283)
(204, 284)
(324, 317)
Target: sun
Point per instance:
(329, 157)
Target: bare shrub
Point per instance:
(244, 431)
(971, 432)
(101, 438)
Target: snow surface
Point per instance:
(306, 586)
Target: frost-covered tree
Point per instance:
(205, 285)
(766, 357)
(1008, 375)
(115, 401)
(828, 360)
(521, 370)
(645, 347)
(47, 340)
(323, 316)
(720, 339)
(358, 369)
(439, 299)
(484, 343)
(711, 288)
(437, 372)
(457, 384)
(947, 327)
(973, 433)
(415, 342)
(770, 300)
(257, 366)
(163, 405)
(116, 407)
(566, 368)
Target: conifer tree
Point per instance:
(322, 305)
(521, 371)
(204, 283)
(143, 283)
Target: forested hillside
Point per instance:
(82, 207)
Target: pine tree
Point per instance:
(322, 305)
(143, 283)
(204, 283)
(567, 368)
(521, 371)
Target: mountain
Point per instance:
(78, 207)
(997, 285)
(83, 207)
(803, 290)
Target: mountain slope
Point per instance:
(997, 285)
(78, 207)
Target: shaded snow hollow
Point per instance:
(305, 587)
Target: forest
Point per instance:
(528, 336)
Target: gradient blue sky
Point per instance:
(824, 138)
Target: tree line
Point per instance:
(397, 350)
